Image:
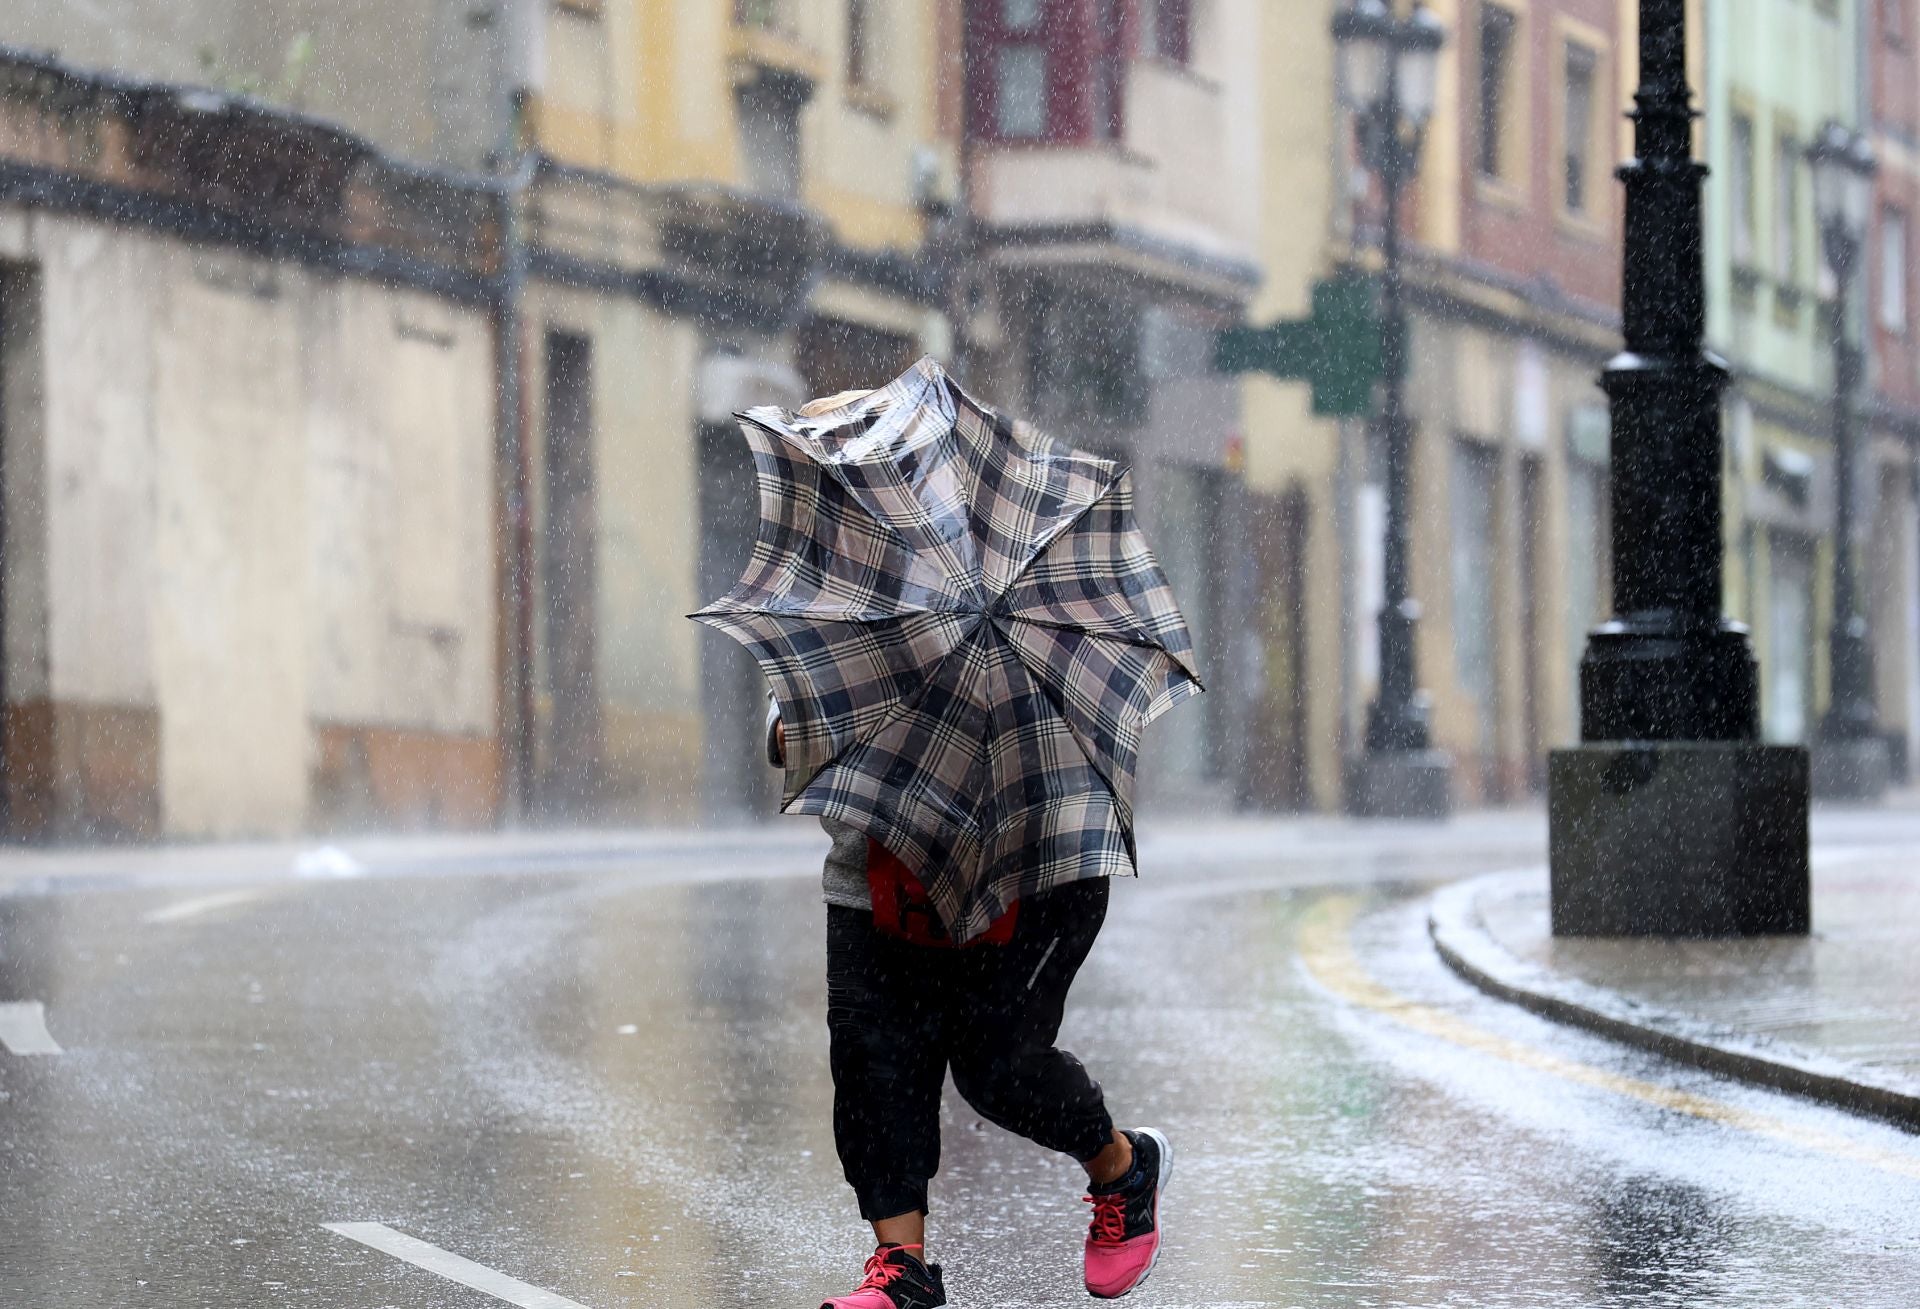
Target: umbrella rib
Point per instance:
(899, 711)
(1060, 708)
(1143, 642)
(1182, 662)
(762, 611)
(838, 474)
(1059, 530)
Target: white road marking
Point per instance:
(181, 910)
(23, 1028)
(451, 1266)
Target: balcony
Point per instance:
(1170, 194)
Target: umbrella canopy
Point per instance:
(966, 633)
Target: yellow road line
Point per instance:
(1326, 947)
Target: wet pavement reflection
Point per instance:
(614, 1086)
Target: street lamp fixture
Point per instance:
(1418, 65)
(1390, 77)
(1364, 37)
(1372, 43)
(1850, 758)
(1843, 170)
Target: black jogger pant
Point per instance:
(900, 1014)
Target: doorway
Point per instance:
(1789, 700)
(1278, 776)
(737, 783)
(1533, 546)
(569, 581)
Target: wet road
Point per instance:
(607, 1086)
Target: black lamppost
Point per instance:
(1670, 818)
(1390, 71)
(1849, 755)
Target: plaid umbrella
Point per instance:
(966, 634)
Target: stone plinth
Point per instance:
(1679, 839)
(1400, 784)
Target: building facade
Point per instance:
(1889, 541)
(1113, 153)
(1776, 72)
(1301, 469)
(245, 459)
(470, 300)
(729, 205)
(1514, 278)
(429, 81)
(687, 210)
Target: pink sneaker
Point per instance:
(894, 1279)
(1123, 1242)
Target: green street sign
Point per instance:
(1337, 350)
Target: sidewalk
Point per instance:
(1834, 1016)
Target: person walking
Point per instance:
(965, 636)
(905, 1004)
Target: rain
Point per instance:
(888, 653)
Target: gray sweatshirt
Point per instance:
(844, 879)
(844, 882)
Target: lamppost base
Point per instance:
(1400, 784)
(1856, 768)
(1678, 839)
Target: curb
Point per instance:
(1467, 947)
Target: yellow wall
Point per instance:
(644, 90)
(1286, 445)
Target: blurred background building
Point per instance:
(366, 371)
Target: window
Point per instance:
(1746, 244)
(1499, 30)
(1786, 211)
(1020, 71)
(1893, 270)
(1166, 29)
(768, 112)
(1051, 70)
(1475, 488)
(1577, 127)
(1109, 70)
(862, 47)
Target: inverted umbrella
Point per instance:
(966, 634)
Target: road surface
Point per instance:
(598, 1078)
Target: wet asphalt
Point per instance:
(611, 1084)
